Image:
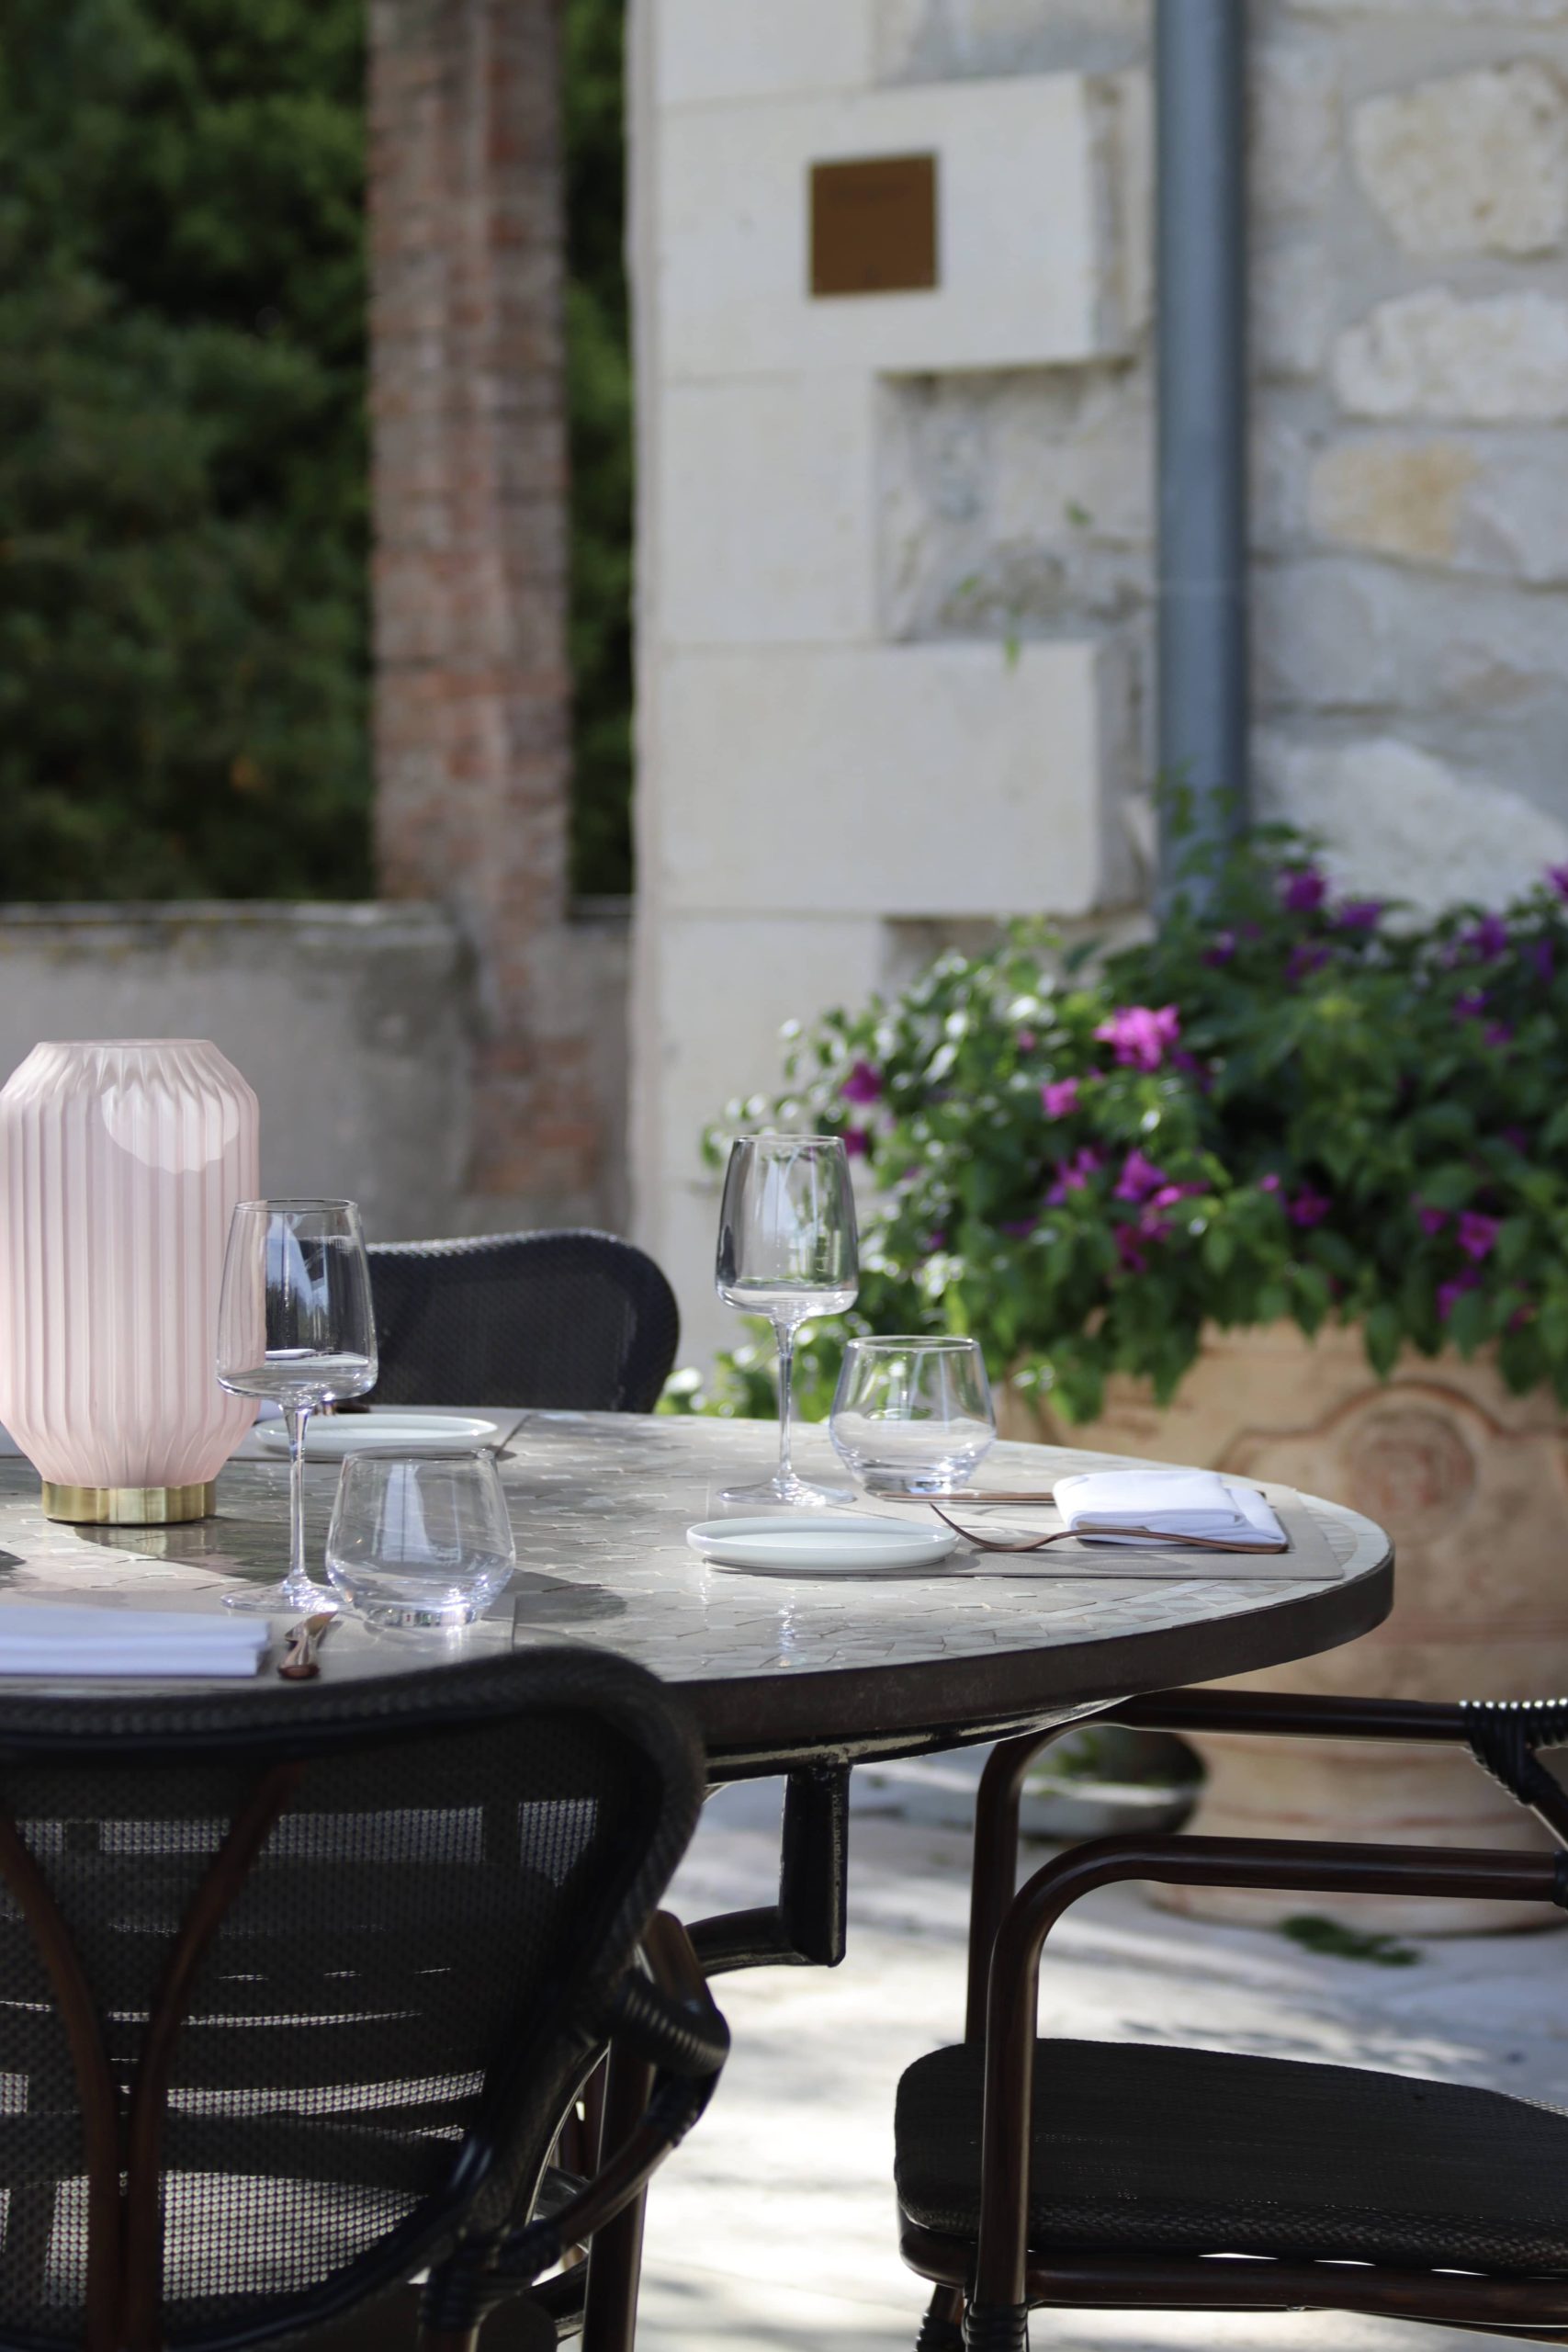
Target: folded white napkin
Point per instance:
(1102, 1506)
(162, 1646)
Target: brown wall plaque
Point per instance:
(874, 226)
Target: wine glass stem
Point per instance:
(299, 1583)
(785, 1334)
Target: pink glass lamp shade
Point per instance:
(120, 1163)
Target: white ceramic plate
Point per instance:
(823, 1542)
(329, 1437)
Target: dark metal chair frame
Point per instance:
(422, 1352)
(986, 2284)
(501, 2219)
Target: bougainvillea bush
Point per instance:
(1289, 1104)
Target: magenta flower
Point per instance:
(1133, 1262)
(1558, 877)
(1309, 1207)
(1487, 939)
(1220, 949)
(1060, 1097)
(1140, 1035)
(1360, 914)
(935, 1241)
(1429, 1219)
(1270, 1183)
(1449, 1294)
(1138, 1179)
(864, 1085)
(857, 1143)
(1026, 1040)
(1073, 1175)
(1477, 1235)
(1303, 890)
(1016, 1228)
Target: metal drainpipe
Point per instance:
(1202, 382)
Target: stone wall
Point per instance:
(896, 553)
(355, 1025)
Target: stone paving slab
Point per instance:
(773, 2229)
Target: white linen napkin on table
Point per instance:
(1105, 1506)
(159, 1645)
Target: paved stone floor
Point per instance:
(773, 2229)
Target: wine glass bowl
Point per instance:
(788, 1249)
(296, 1328)
(912, 1416)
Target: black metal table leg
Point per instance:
(806, 1927)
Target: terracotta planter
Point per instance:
(1472, 1483)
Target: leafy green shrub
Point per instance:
(183, 606)
(1285, 1106)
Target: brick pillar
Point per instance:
(470, 489)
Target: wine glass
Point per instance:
(295, 1325)
(786, 1249)
(912, 1416)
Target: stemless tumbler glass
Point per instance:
(423, 1543)
(788, 1249)
(295, 1325)
(912, 1416)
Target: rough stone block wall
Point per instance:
(1409, 174)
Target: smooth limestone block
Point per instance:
(1399, 498)
(1029, 273)
(1474, 163)
(951, 778)
(766, 519)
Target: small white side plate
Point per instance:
(825, 1541)
(332, 1436)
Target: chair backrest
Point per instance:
(296, 1982)
(580, 1321)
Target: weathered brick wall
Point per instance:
(469, 485)
(1409, 174)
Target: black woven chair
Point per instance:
(575, 1320)
(299, 1985)
(1064, 2173)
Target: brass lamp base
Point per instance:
(129, 1505)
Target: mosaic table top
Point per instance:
(776, 1668)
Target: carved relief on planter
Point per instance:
(1472, 1484)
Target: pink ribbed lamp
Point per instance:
(120, 1163)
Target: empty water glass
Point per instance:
(912, 1416)
(423, 1543)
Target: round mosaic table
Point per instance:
(778, 1672)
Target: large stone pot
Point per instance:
(1472, 1483)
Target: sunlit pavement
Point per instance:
(773, 2229)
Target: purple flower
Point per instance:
(1138, 1179)
(1477, 1235)
(1471, 1005)
(1140, 1035)
(1060, 1097)
(1026, 1040)
(857, 1143)
(1499, 1034)
(1220, 949)
(1360, 914)
(1270, 1183)
(935, 1241)
(1073, 1175)
(1543, 958)
(1127, 1247)
(1016, 1228)
(1487, 939)
(1558, 877)
(1429, 1219)
(1306, 957)
(1309, 1207)
(1303, 890)
(1449, 1294)
(864, 1085)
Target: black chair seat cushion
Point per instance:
(1139, 2149)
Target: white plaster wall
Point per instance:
(818, 761)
